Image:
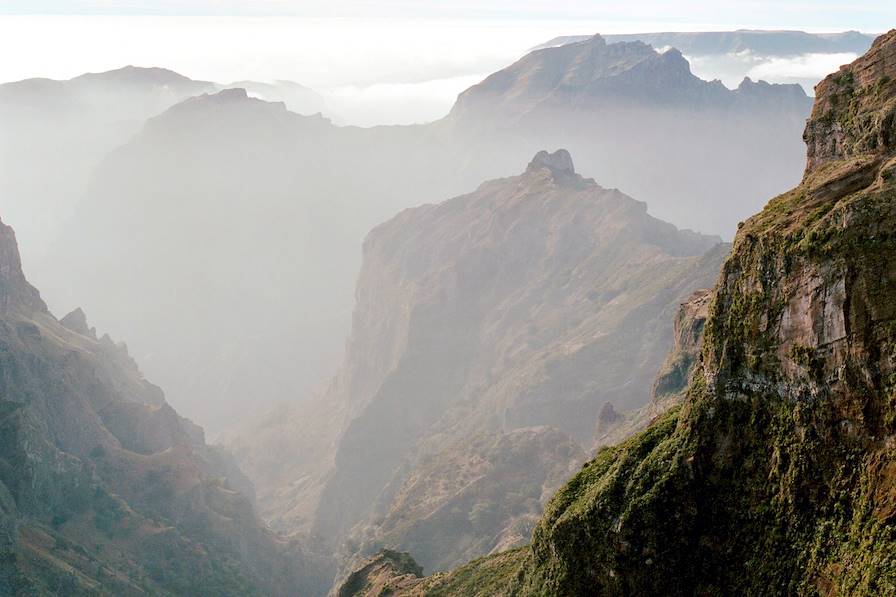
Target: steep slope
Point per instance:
(776, 475)
(104, 488)
(489, 330)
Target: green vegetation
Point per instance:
(486, 577)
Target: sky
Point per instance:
(382, 61)
(823, 14)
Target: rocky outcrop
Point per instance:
(687, 336)
(855, 110)
(559, 162)
(104, 488)
(382, 574)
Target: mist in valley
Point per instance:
(298, 305)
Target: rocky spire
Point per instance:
(559, 162)
(15, 291)
(76, 321)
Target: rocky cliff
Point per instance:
(775, 476)
(104, 488)
(488, 333)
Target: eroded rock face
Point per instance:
(855, 109)
(383, 573)
(488, 332)
(104, 488)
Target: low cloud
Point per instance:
(397, 103)
(806, 66)
(805, 69)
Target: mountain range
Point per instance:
(225, 191)
(55, 134)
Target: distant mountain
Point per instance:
(592, 75)
(766, 43)
(640, 120)
(104, 488)
(489, 331)
(241, 273)
(297, 98)
(55, 133)
(781, 56)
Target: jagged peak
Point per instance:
(16, 294)
(76, 321)
(558, 162)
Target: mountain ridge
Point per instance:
(104, 488)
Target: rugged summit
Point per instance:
(639, 119)
(488, 332)
(776, 475)
(592, 74)
(104, 488)
(559, 162)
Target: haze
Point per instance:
(385, 70)
(361, 297)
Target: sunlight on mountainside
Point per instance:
(406, 298)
